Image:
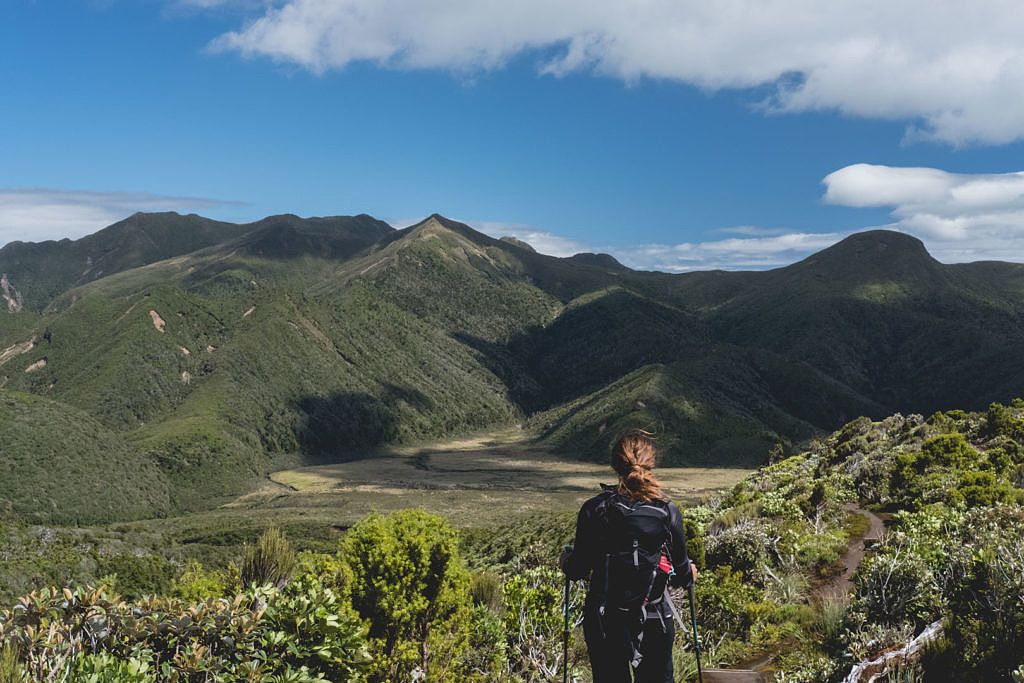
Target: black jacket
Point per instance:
(586, 561)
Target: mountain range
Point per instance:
(177, 359)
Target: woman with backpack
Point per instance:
(630, 544)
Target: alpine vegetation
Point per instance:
(785, 583)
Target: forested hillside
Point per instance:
(216, 352)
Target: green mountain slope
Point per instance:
(41, 271)
(727, 405)
(36, 273)
(879, 314)
(59, 465)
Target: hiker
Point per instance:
(630, 544)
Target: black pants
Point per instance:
(610, 650)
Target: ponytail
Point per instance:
(633, 458)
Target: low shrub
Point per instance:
(268, 561)
(85, 634)
(743, 547)
(405, 578)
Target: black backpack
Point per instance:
(638, 534)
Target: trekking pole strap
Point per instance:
(675, 612)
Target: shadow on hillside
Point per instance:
(523, 389)
(343, 421)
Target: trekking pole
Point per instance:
(565, 630)
(696, 638)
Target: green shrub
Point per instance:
(897, 587)
(726, 604)
(263, 634)
(984, 489)
(947, 450)
(1001, 420)
(197, 583)
(486, 590)
(268, 561)
(986, 607)
(486, 659)
(533, 622)
(318, 631)
(406, 580)
(695, 545)
(743, 547)
(103, 667)
(136, 576)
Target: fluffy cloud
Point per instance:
(960, 217)
(954, 70)
(544, 242)
(42, 214)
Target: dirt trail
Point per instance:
(841, 585)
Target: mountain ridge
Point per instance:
(316, 338)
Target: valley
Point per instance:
(474, 482)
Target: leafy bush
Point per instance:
(986, 607)
(135, 576)
(405, 578)
(897, 587)
(258, 635)
(534, 623)
(103, 667)
(743, 547)
(1001, 420)
(727, 604)
(197, 583)
(486, 659)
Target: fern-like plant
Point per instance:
(270, 560)
(11, 670)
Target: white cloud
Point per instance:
(43, 214)
(749, 253)
(954, 70)
(960, 216)
(763, 248)
(544, 242)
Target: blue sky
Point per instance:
(569, 127)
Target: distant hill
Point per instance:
(42, 270)
(245, 347)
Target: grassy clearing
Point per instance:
(472, 481)
(475, 482)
